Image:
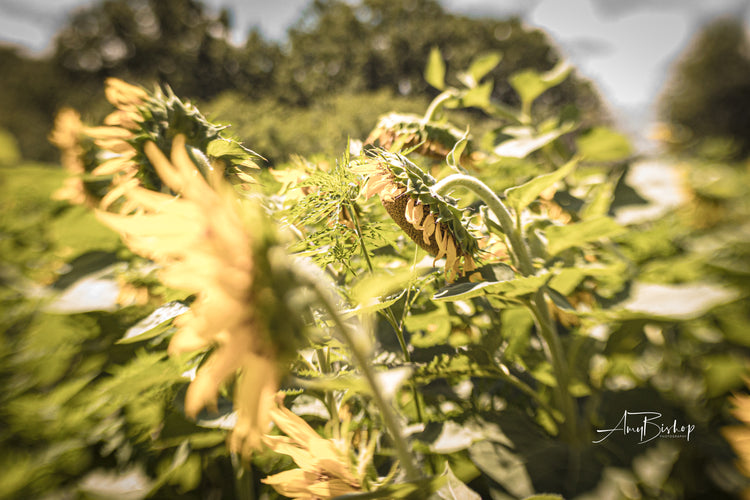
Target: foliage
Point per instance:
(335, 48)
(705, 103)
(506, 380)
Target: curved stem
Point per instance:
(498, 208)
(361, 356)
(538, 305)
(388, 314)
(330, 400)
(436, 104)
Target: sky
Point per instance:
(624, 46)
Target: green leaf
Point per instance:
(481, 66)
(520, 197)
(530, 84)
(373, 305)
(454, 489)
(435, 72)
(676, 302)
(575, 235)
(603, 144)
(415, 490)
(516, 287)
(504, 467)
(567, 280)
(454, 157)
(154, 324)
(477, 97)
(545, 496)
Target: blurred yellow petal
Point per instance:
(418, 215)
(409, 211)
(122, 94)
(429, 228)
(115, 165)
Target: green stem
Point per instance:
(388, 314)
(538, 306)
(325, 367)
(436, 103)
(361, 356)
(518, 247)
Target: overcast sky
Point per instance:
(625, 46)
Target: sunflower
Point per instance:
(204, 246)
(67, 136)
(739, 435)
(432, 221)
(325, 469)
(398, 131)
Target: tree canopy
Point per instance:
(707, 99)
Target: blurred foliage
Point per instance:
(278, 131)
(336, 47)
(706, 102)
(504, 377)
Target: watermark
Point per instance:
(647, 426)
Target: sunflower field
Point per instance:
(476, 301)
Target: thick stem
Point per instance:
(436, 103)
(361, 356)
(325, 367)
(538, 306)
(502, 213)
(388, 314)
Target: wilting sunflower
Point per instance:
(240, 278)
(739, 435)
(68, 136)
(142, 118)
(325, 466)
(397, 132)
(432, 221)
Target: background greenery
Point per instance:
(79, 411)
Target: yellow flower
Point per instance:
(739, 435)
(397, 132)
(432, 221)
(204, 247)
(66, 135)
(325, 469)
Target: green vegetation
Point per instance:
(463, 289)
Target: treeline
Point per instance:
(368, 56)
(375, 47)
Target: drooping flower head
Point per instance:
(325, 466)
(241, 279)
(396, 132)
(77, 154)
(142, 118)
(432, 221)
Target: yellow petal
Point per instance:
(115, 165)
(254, 399)
(409, 211)
(120, 93)
(293, 483)
(331, 488)
(428, 228)
(417, 215)
(441, 236)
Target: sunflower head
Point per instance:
(228, 254)
(78, 153)
(325, 466)
(397, 132)
(432, 221)
(142, 117)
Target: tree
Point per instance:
(708, 94)
(168, 41)
(340, 46)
